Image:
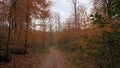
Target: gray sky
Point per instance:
(65, 7)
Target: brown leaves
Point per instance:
(39, 8)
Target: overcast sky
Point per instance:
(65, 7)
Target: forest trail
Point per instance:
(54, 59)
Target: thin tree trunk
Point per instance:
(43, 33)
(26, 32)
(75, 11)
(9, 30)
(26, 35)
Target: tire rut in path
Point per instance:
(53, 60)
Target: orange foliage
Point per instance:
(36, 37)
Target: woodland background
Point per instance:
(87, 40)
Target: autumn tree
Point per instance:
(20, 14)
(36, 9)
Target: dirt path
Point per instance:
(53, 60)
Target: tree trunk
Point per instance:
(26, 32)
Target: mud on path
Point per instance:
(53, 60)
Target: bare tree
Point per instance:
(75, 2)
(51, 31)
(57, 21)
(83, 18)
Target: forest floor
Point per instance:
(52, 59)
(33, 59)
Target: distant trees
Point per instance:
(98, 40)
(80, 15)
(71, 33)
(58, 21)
